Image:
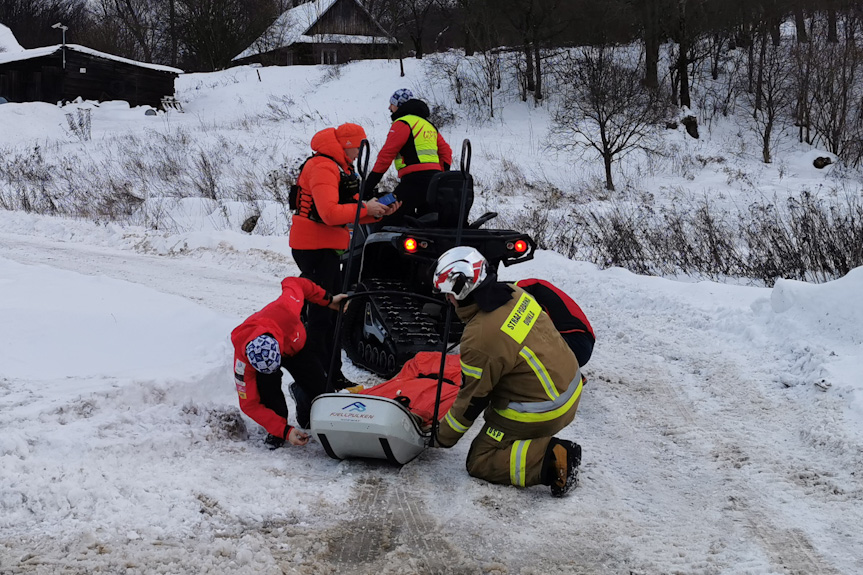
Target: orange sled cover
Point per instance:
(417, 381)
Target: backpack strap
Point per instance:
(296, 190)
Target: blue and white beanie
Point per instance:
(400, 97)
(264, 355)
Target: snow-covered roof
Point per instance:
(47, 50)
(8, 43)
(292, 27)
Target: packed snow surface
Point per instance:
(721, 424)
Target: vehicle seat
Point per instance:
(444, 199)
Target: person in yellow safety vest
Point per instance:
(517, 371)
(418, 151)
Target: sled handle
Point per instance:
(465, 156)
(362, 167)
(363, 160)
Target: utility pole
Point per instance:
(63, 28)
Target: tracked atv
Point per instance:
(400, 316)
(393, 317)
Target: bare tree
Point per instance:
(392, 15)
(803, 56)
(470, 17)
(536, 22)
(31, 21)
(650, 13)
(800, 25)
(684, 43)
(417, 12)
(137, 25)
(473, 80)
(605, 107)
(214, 31)
(836, 88)
(774, 95)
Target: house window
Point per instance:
(328, 57)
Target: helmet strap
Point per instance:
(458, 284)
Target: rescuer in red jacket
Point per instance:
(268, 340)
(418, 151)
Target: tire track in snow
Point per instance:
(391, 532)
(741, 437)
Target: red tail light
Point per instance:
(520, 246)
(410, 245)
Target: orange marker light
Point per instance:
(410, 245)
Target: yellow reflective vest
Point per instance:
(425, 141)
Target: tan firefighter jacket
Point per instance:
(517, 369)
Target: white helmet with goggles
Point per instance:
(459, 271)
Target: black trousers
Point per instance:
(310, 380)
(581, 345)
(411, 192)
(324, 268)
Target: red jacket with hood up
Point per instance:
(320, 178)
(280, 319)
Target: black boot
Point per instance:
(560, 466)
(273, 442)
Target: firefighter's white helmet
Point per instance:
(459, 271)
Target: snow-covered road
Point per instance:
(708, 448)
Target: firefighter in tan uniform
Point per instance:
(518, 371)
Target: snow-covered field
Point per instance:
(722, 425)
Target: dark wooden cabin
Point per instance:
(63, 73)
(320, 32)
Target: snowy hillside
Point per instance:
(722, 424)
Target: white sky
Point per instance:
(721, 425)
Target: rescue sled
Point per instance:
(392, 420)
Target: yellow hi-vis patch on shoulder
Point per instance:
(522, 318)
(495, 434)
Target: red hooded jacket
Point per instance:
(281, 319)
(320, 178)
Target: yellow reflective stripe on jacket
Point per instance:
(541, 411)
(518, 462)
(454, 424)
(519, 323)
(540, 371)
(425, 141)
(471, 371)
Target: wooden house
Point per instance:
(320, 32)
(65, 72)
